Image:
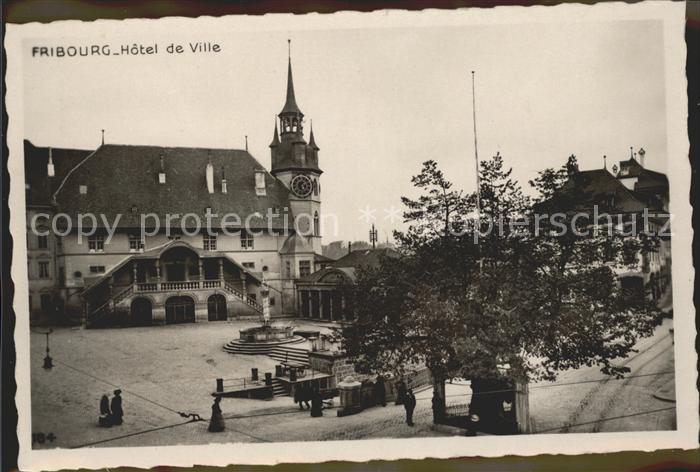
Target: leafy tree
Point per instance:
(515, 302)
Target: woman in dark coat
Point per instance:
(105, 413)
(216, 423)
(117, 411)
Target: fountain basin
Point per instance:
(266, 333)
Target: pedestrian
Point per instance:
(316, 403)
(380, 391)
(105, 413)
(117, 411)
(216, 422)
(400, 392)
(299, 394)
(438, 408)
(409, 405)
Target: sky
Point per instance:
(382, 100)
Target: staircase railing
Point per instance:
(253, 304)
(101, 312)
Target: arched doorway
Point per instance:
(141, 312)
(179, 310)
(216, 307)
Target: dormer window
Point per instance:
(82, 189)
(260, 183)
(135, 243)
(209, 242)
(161, 177)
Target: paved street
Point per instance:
(171, 369)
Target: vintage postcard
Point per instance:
(352, 236)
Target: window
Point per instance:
(249, 265)
(304, 268)
(43, 242)
(96, 242)
(260, 183)
(135, 243)
(209, 242)
(46, 304)
(272, 301)
(43, 270)
(82, 189)
(246, 240)
(97, 269)
(317, 229)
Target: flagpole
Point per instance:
(476, 151)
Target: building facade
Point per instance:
(626, 192)
(138, 235)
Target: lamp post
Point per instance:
(48, 362)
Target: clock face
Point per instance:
(302, 186)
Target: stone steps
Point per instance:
(278, 389)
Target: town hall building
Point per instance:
(172, 270)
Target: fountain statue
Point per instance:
(267, 332)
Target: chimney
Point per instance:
(641, 156)
(161, 173)
(223, 181)
(349, 247)
(210, 176)
(50, 169)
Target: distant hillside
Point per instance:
(338, 249)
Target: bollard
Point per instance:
(254, 374)
(219, 385)
(268, 378)
(292, 375)
(278, 370)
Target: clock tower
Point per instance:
(295, 164)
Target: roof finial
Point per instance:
(631, 153)
(605, 161)
(246, 143)
(103, 137)
(289, 49)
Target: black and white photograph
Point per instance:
(356, 236)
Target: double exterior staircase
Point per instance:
(100, 315)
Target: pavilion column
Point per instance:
(343, 307)
(135, 269)
(320, 304)
(201, 273)
(330, 306)
(309, 305)
(221, 270)
(157, 274)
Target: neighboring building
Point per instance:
(44, 168)
(323, 294)
(625, 192)
(187, 275)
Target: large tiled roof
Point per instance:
(36, 160)
(347, 265)
(123, 179)
(599, 187)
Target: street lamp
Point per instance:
(48, 362)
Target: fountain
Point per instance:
(267, 332)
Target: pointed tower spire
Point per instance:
(275, 137)
(290, 106)
(312, 142)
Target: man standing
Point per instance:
(409, 404)
(117, 412)
(380, 391)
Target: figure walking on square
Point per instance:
(216, 422)
(380, 391)
(400, 392)
(105, 413)
(409, 404)
(316, 403)
(117, 411)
